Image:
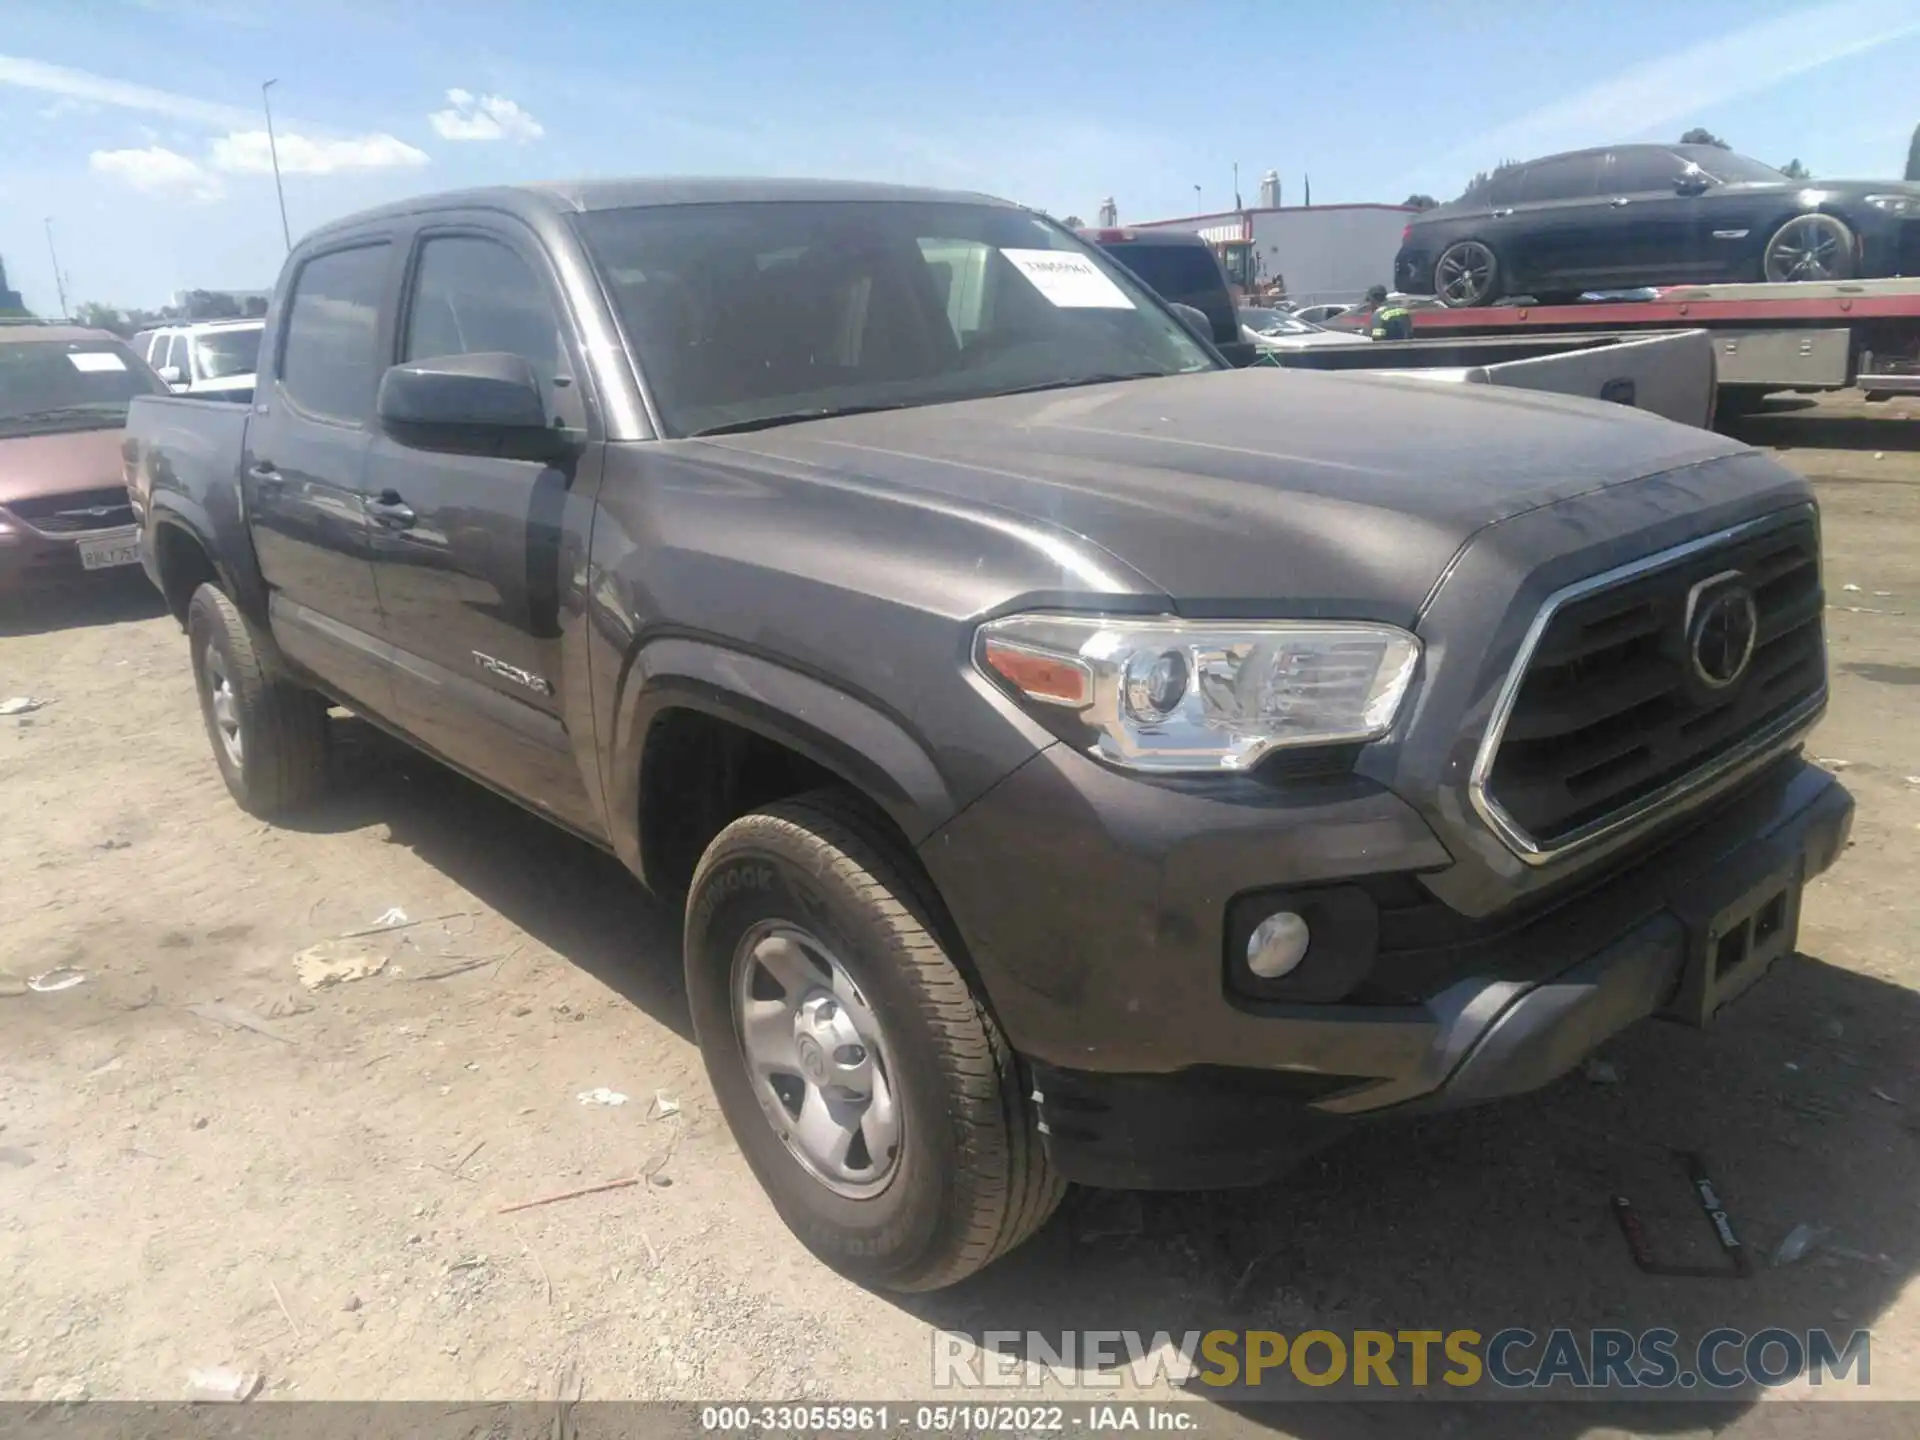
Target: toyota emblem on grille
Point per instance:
(1722, 626)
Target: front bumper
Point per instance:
(1101, 949)
(31, 562)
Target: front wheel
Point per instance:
(1811, 247)
(1467, 274)
(871, 1093)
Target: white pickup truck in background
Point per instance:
(209, 359)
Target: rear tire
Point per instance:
(1467, 275)
(792, 907)
(269, 735)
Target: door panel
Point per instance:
(1557, 224)
(473, 553)
(1656, 233)
(305, 468)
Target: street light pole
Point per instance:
(59, 280)
(1196, 199)
(273, 150)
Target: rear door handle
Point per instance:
(1618, 201)
(1502, 214)
(391, 512)
(264, 473)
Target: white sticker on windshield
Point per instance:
(92, 362)
(1073, 282)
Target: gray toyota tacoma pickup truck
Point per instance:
(1079, 760)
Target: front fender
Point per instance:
(868, 749)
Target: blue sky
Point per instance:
(135, 123)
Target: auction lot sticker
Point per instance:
(1071, 281)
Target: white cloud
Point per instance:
(484, 117)
(1685, 84)
(156, 170)
(101, 90)
(246, 152)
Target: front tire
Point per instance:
(269, 735)
(1466, 275)
(874, 1098)
(1810, 247)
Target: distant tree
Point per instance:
(1420, 202)
(1700, 135)
(256, 306)
(96, 316)
(211, 305)
(1913, 156)
(1482, 179)
(1074, 222)
(1794, 170)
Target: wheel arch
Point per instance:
(701, 730)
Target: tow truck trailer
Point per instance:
(1806, 336)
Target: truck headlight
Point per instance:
(1896, 204)
(1164, 694)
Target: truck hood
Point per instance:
(35, 465)
(1345, 494)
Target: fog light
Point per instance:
(1277, 945)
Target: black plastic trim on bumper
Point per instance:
(1487, 1038)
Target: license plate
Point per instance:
(116, 547)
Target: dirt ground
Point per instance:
(204, 1163)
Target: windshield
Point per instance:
(68, 384)
(1731, 169)
(1275, 322)
(221, 354)
(755, 311)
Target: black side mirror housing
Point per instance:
(1692, 183)
(485, 404)
(1196, 321)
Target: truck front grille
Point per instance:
(76, 511)
(1619, 705)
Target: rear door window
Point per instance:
(328, 359)
(1571, 177)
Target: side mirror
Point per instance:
(1694, 182)
(1196, 321)
(486, 404)
(171, 374)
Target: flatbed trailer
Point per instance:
(1798, 336)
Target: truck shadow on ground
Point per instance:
(568, 895)
(1785, 429)
(114, 599)
(1803, 1099)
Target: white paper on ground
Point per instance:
(1073, 282)
(92, 362)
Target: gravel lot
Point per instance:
(203, 1162)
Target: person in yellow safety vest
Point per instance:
(1390, 322)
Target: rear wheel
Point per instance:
(1811, 247)
(871, 1093)
(1466, 274)
(269, 735)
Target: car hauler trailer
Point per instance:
(1798, 336)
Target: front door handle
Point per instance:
(391, 512)
(1502, 214)
(1618, 201)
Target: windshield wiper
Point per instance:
(1080, 380)
(794, 417)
